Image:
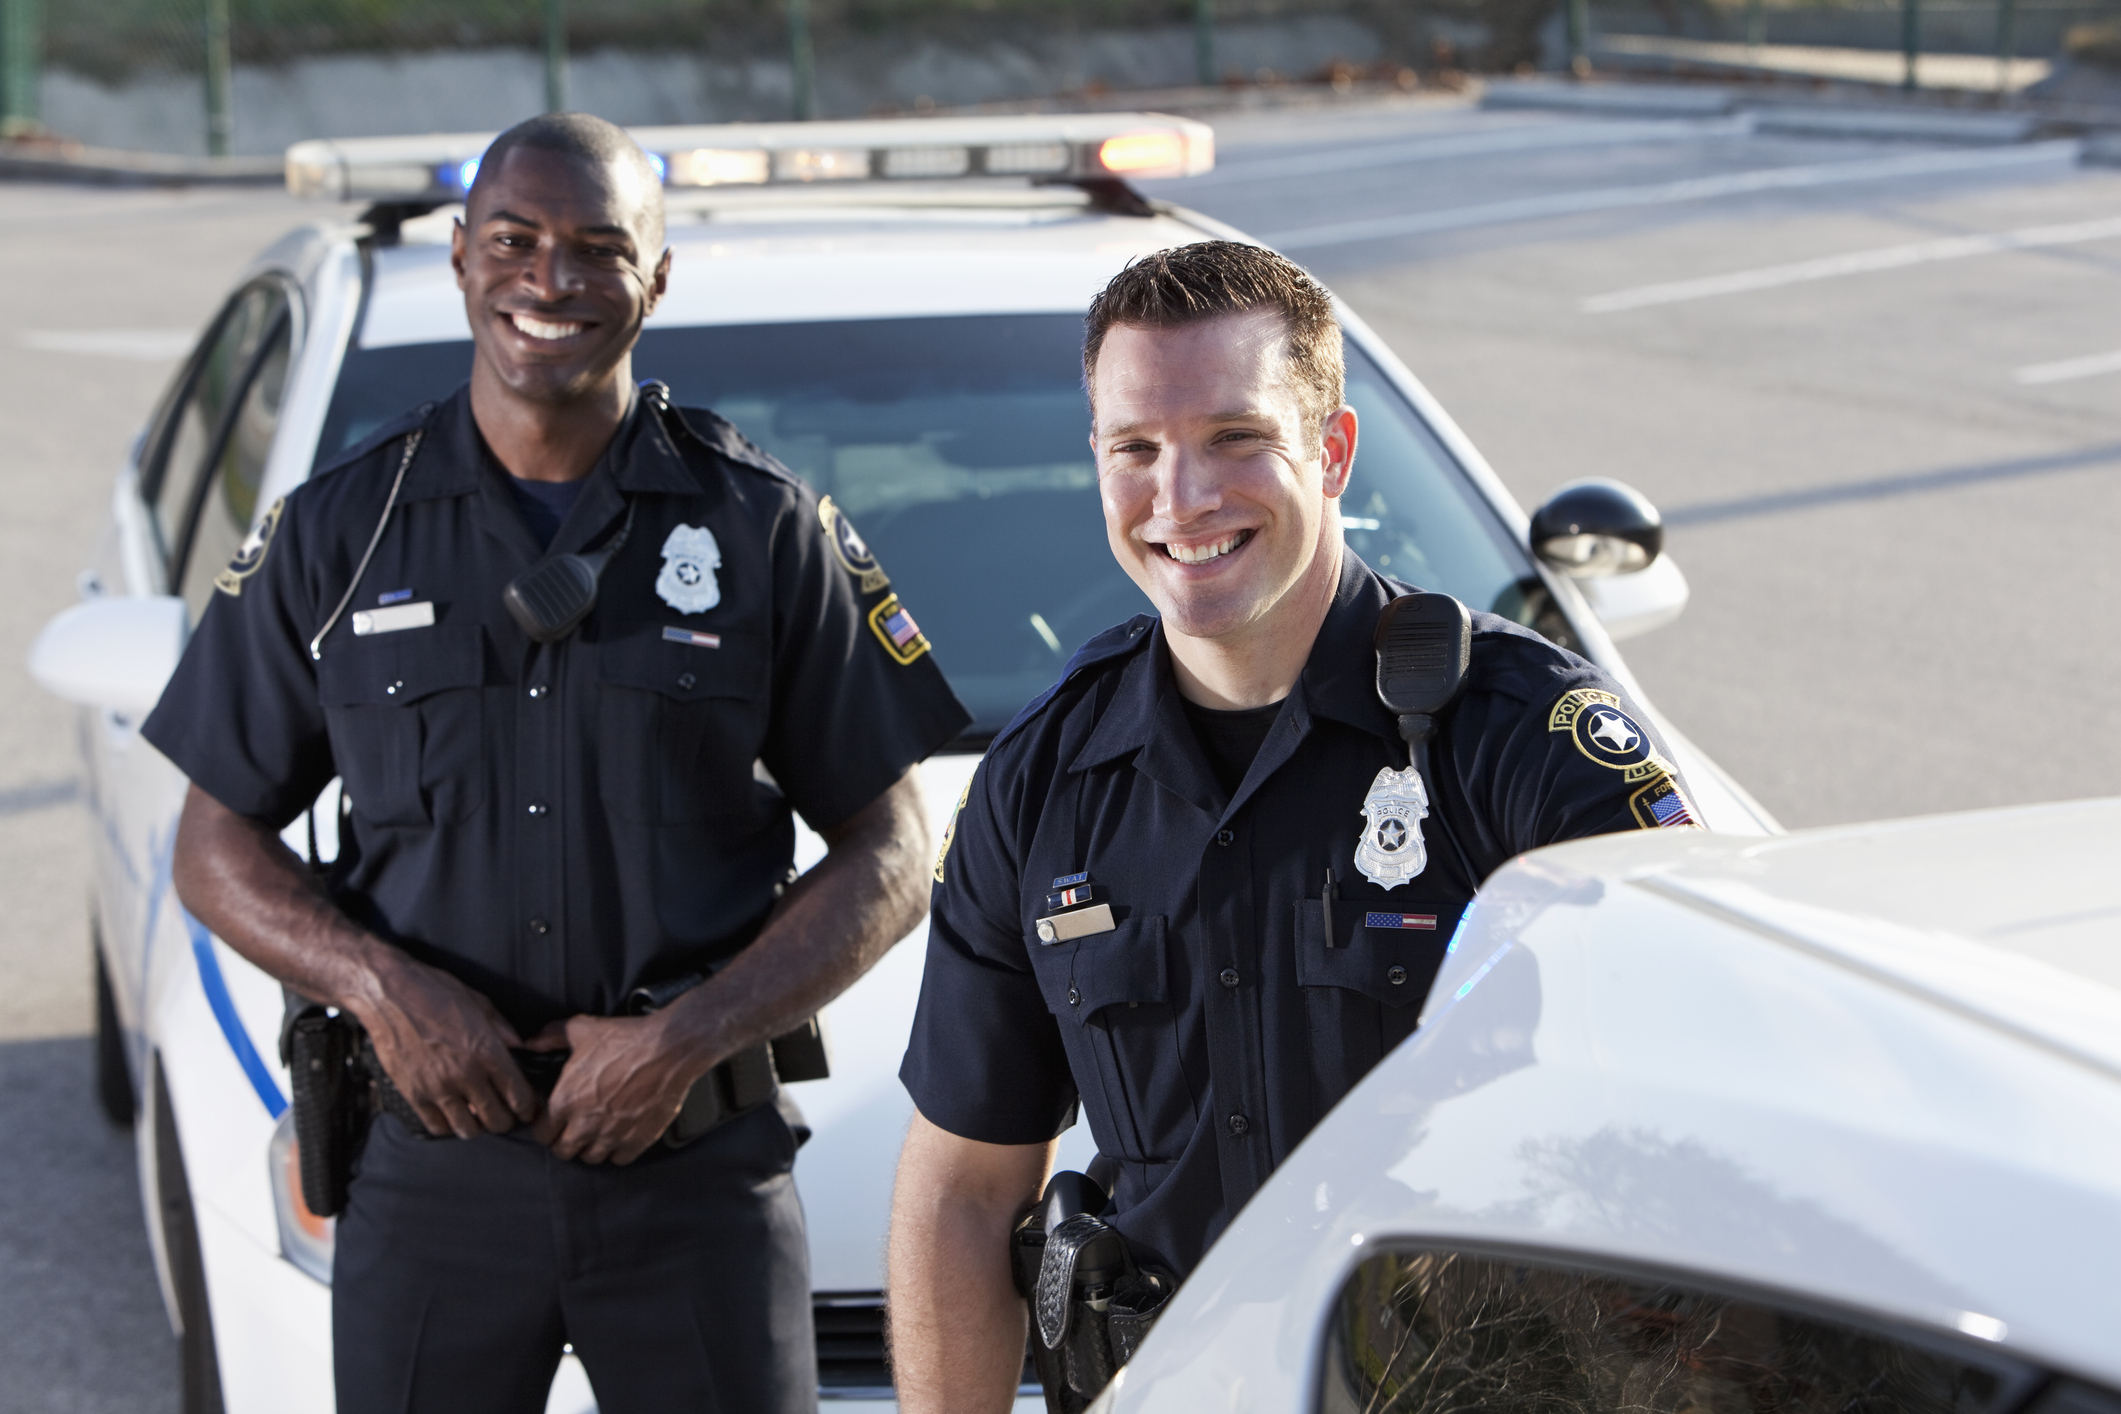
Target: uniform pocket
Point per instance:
(1364, 993)
(679, 726)
(408, 725)
(1112, 992)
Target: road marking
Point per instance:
(147, 345)
(1879, 488)
(1859, 262)
(1537, 137)
(1531, 208)
(2089, 366)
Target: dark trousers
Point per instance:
(682, 1280)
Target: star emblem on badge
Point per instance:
(1612, 732)
(1391, 835)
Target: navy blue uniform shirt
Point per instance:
(558, 824)
(1216, 1022)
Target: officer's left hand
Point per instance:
(619, 1090)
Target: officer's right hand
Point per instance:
(445, 1047)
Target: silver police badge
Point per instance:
(690, 558)
(1391, 851)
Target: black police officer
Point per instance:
(533, 830)
(1195, 886)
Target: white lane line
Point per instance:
(1859, 262)
(1531, 208)
(147, 345)
(1537, 137)
(2087, 367)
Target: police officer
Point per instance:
(532, 830)
(1193, 888)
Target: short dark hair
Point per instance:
(591, 139)
(1209, 279)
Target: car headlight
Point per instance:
(305, 1239)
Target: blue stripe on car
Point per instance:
(224, 1006)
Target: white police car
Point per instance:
(1826, 1122)
(894, 310)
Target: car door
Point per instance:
(202, 462)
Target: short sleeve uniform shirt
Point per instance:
(558, 823)
(1237, 995)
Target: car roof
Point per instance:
(1862, 1070)
(788, 257)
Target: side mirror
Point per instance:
(1594, 528)
(114, 653)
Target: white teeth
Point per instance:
(1201, 554)
(538, 329)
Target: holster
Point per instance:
(331, 1101)
(1092, 1302)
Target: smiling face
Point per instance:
(1220, 495)
(557, 256)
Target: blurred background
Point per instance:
(251, 76)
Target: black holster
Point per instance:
(1092, 1301)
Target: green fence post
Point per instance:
(555, 56)
(1755, 32)
(1579, 19)
(1204, 43)
(2006, 42)
(21, 65)
(220, 101)
(801, 61)
(1910, 38)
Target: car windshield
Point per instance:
(959, 446)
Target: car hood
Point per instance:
(1869, 1068)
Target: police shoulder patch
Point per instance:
(1606, 734)
(950, 831)
(849, 548)
(250, 555)
(895, 629)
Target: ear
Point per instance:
(658, 283)
(1336, 450)
(458, 239)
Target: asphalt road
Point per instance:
(1859, 377)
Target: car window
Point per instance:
(227, 498)
(1421, 1332)
(179, 464)
(960, 449)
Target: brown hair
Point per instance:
(1208, 279)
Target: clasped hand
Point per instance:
(446, 1048)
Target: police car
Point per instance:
(1826, 1122)
(894, 310)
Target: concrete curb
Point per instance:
(1820, 120)
(109, 167)
(1636, 100)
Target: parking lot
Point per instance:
(1863, 379)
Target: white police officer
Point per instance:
(1196, 887)
(540, 823)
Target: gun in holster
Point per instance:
(1092, 1302)
(340, 1085)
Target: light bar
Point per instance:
(1061, 148)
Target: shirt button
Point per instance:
(392, 690)
(1397, 976)
(1224, 837)
(538, 691)
(1239, 1124)
(686, 680)
(540, 927)
(537, 807)
(1230, 978)
(1075, 998)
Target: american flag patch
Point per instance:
(1662, 805)
(1424, 921)
(897, 631)
(692, 638)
